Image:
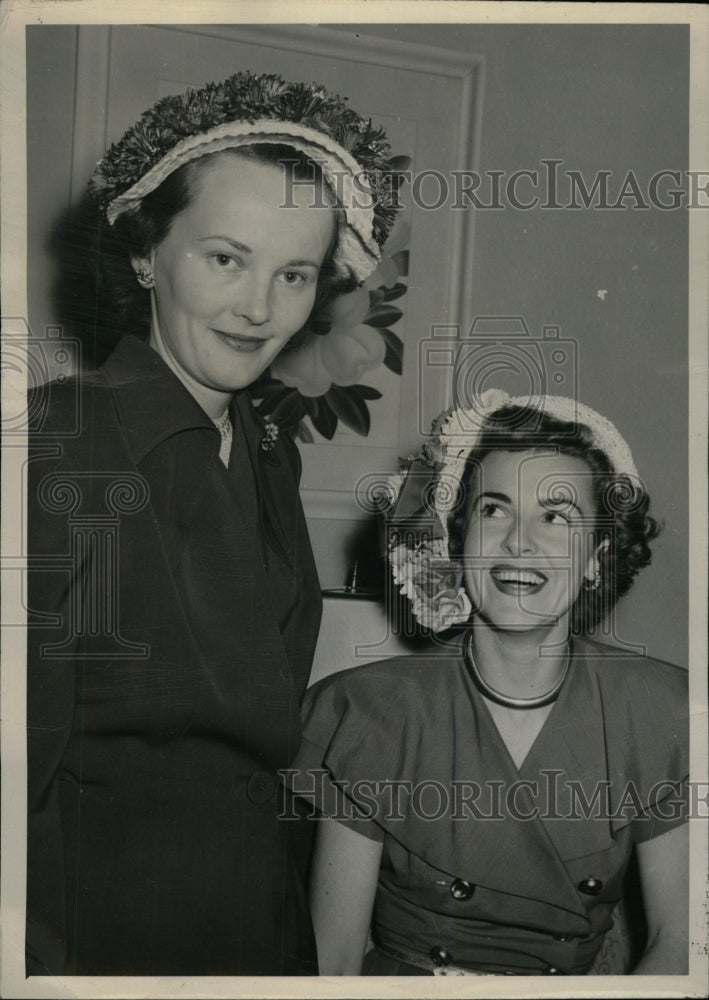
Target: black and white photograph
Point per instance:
(354, 485)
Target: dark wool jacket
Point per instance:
(173, 608)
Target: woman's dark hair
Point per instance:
(621, 504)
(123, 306)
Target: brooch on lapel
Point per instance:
(268, 442)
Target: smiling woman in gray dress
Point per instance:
(483, 800)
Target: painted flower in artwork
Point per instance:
(343, 357)
(324, 377)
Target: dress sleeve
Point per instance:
(651, 750)
(671, 809)
(327, 720)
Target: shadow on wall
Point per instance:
(95, 309)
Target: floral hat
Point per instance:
(246, 109)
(422, 497)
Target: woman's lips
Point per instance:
(239, 342)
(515, 582)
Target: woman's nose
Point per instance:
(253, 300)
(519, 540)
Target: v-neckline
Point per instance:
(501, 734)
(563, 695)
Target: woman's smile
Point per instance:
(529, 540)
(240, 342)
(516, 581)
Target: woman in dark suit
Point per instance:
(173, 598)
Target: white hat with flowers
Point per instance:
(419, 546)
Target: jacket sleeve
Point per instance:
(51, 680)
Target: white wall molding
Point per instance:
(93, 66)
(331, 504)
(333, 43)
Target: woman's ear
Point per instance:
(143, 267)
(593, 567)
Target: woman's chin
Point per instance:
(523, 622)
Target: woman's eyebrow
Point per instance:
(562, 501)
(242, 248)
(502, 497)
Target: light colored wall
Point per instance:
(600, 98)
(51, 80)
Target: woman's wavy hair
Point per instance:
(621, 504)
(122, 305)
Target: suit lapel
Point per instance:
(269, 467)
(108, 461)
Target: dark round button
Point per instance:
(591, 886)
(260, 787)
(440, 956)
(461, 890)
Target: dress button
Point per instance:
(461, 890)
(260, 787)
(559, 937)
(591, 886)
(440, 956)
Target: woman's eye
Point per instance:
(555, 517)
(491, 510)
(294, 278)
(223, 260)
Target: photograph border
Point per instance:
(13, 19)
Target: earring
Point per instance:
(596, 583)
(145, 277)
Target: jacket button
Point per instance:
(591, 886)
(551, 971)
(439, 956)
(260, 787)
(559, 937)
(461, 890)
